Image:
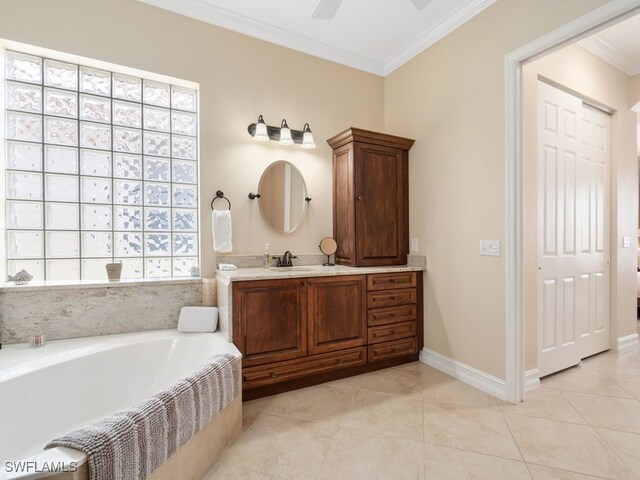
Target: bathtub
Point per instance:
(47, 392)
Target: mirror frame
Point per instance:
(305, 202)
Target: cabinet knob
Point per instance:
(360, 197)
(393, 332)
(274, 375)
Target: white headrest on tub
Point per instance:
(198, 319)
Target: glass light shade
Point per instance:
(285, 134)
(307, 140)
(261, 130)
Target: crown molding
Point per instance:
(224, 18)
(239, 23)
(610, 54)
(443, 28)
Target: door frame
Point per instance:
(608, 14)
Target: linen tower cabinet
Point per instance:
(370, 198)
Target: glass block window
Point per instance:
(100, 167)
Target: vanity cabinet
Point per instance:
(270, 320)
(302, 331)
(370, 198)
(337, 311)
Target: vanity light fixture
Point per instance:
(282, 134)
(261, 130)
(285, 134)
(307, 137)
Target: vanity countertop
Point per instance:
(247, 274)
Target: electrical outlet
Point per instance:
(414, 244)
(490, 248)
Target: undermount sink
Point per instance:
(290, 269)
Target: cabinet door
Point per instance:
(270, 320)
(337, 313)
(382, 205)
(344, 222)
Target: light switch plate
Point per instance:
(490, 248)
(414, 244)
(626, 241)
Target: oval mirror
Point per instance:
(328, 246)
(283, 196)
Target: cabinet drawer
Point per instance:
(289, 370)
(399, 348)
(395, 331)
(388, 298)
(388, 281)
(383, 316)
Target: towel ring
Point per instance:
(220, 194)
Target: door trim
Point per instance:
(584, 26)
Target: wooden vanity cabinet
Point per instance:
(337, 310)
(303, 331)
(270, 320)
(277, 320)
(370, 198)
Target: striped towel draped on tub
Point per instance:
(132, 443)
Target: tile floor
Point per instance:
(413, 422)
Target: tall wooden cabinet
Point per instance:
(370, 198)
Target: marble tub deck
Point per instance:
(414, 422)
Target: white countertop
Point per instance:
(247, 274)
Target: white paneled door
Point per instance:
(574, 160)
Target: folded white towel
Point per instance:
(227, 267)
(221, 230)
(198, 319)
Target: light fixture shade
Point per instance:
(261, 130)
(307, 137)
(285, 134)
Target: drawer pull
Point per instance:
(392, 299)
(274, 375)
(340, 361)
(393, 332)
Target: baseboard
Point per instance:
(469, 375)
(627, 342)
(531, 379)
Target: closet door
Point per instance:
(573, 229)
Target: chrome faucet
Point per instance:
(285, 260)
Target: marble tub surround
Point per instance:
(61, 311)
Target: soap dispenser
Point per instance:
(267, 257)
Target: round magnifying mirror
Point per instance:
(328, 246)
(283, 194)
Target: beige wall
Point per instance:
(240, 77)
(591, 78)
(634, 90)
(450, 98)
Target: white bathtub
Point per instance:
(47, 392)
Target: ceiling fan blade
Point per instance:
(326, 9)
(421, 4)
